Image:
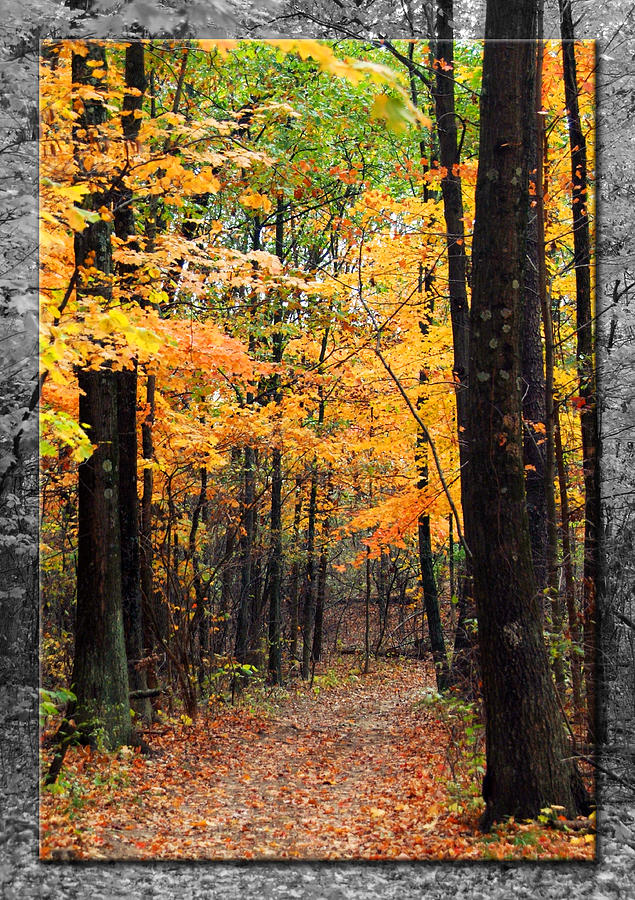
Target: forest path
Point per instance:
(323, 774)
(356, 770)
(351, 768)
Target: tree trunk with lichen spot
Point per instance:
(528, 764)
(100, 674)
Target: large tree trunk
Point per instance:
(527, 758)
(586, 364)
(100, 676)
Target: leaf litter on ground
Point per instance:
(358, 769)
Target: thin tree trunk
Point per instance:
(275, 571)
(537, 482)
(318, 631)
(431, 602)
(321, 585)
(367, 616)
(294, 581)
(540, 483)
(308, 613)
(146, 560)
(227, 583)
(586, 365)
(248, 522)
(569, 589)
(451, 555)
(428, 582)
(450, 158)
(275, 559)
(124, 225)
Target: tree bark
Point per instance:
(275, 571)
(527, 758)
(100, 674)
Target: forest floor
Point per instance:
(353, 767)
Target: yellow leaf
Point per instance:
(256, 201)
(118, 318)
(74, 192)
(393, 111)
(144, 339)
(75, 220)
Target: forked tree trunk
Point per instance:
(528, 763)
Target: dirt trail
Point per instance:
(344, 774)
